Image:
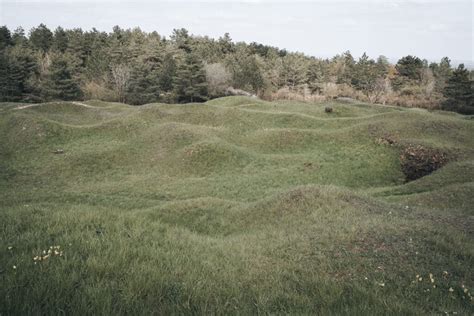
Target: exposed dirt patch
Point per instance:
(310, 166)
(387, 139)
(418, 161)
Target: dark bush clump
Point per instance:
(418, 161)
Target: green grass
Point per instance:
(235, 206)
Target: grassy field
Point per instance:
(235, 206)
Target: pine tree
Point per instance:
(246, 71)
(442, 72)
(364, 74)
(60, 40)
(315, 76)
(59, 83)
(5, 37)
(144, 85)
(410, 67)
(19, 38)
(9, 88)
(168, 73)
(459, 92)
(41, 38)
(190, 81)
(17, 65)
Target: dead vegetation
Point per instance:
(418, 161)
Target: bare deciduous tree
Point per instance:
(428, 82)
(380, 90)
(121, 79)
(330, 90)
(218, 79)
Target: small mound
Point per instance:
(308, 201)
(234, 101)
(204, 215)
(208, 157)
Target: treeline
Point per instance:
(137, 67)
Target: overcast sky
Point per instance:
(323, 28)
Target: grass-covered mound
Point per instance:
(235, 206)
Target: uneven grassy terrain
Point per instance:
(235, 206)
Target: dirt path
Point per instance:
(26, 106)
(83, 104)
(39, 104)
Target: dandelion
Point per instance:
(10, 247)
(382, 284)
(420, 279)
(451, 289)
(14, 267)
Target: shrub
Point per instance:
(97, 91)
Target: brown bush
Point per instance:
(299, 94)
(418, 161)
(98, 91)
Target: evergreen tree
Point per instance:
(364, 74)
(441, 72)
(16, 67)
(19, 38)
(293, 70)
(59, 83)
(225, 44)
(382, 66)
(410, 67)
(144, 84)
(190, 83)
(316, 75)
(5, 37)
(182, 40)
(459, 92)
(60, 40)
(246, 71)
(168, 73)
(9, 86)
(41, 38)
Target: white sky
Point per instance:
(323, 28)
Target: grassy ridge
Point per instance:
(233, 206)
